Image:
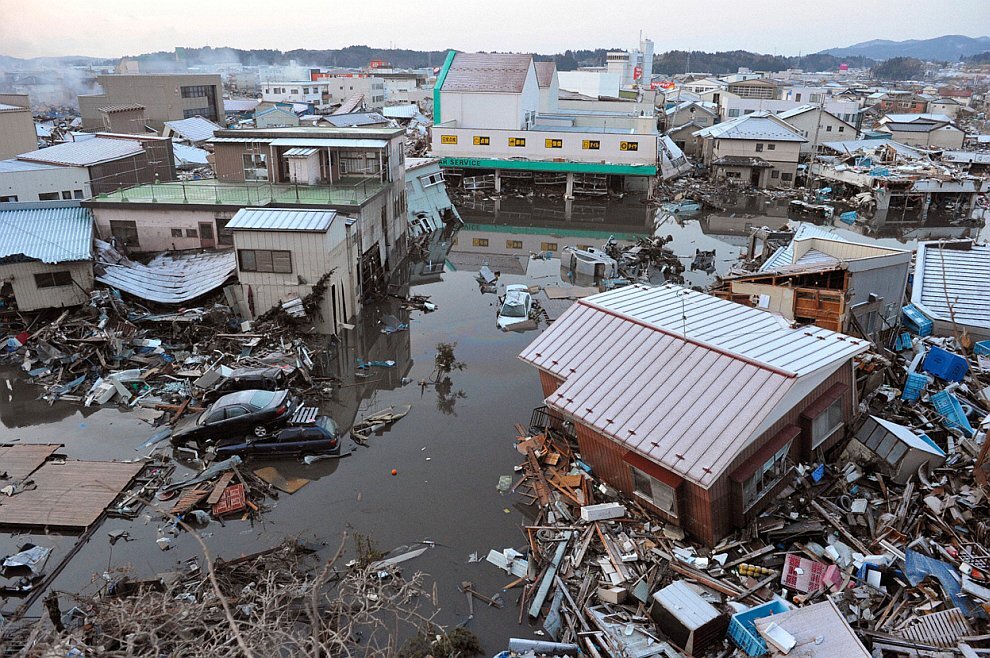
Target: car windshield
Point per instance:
(262, 399)
(513, 309)
(327, 423)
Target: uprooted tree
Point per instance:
(278, 602)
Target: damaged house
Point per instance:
(758, 149)
(828, 282)
(46, 256)
(695, 406)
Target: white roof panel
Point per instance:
(331, 142)
(281, 219)
(86, 153)
(195, 129)
(46, 232)
(950, 271)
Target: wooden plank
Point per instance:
(218, 489)
(69, 495)
(19, 461)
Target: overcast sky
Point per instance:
(112, 28)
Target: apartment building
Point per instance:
(165, 97)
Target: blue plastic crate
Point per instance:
(945, 365)
(902, 342)
(914, 385)
(951, 411)
(742, 628)
(982, 348)
(915, 321)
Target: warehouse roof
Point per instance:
(955, 271)
(281, 219)
(492, 73)
(679, 377)
(85, 153)
(758, 125)
(50, 232)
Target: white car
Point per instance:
(516, 307)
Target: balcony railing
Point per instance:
(353, 191)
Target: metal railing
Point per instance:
(351, 192)
(543, 419)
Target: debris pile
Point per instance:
(885, 540)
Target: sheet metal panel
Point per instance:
(85, 153)
(280, 219)
(333, 142)
(960, 275)
(48, 234)
(172, 280)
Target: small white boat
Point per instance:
(590, 262)
(516, 307)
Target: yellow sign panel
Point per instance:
(482, 141)
(555, 143)
(628, 146)
(448, 139)
(591, 144)
(517, 141)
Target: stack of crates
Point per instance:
(945, 365)
(742, 628)
(915, 321)
(902, 342)
(914, 385)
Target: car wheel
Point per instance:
(261, 431)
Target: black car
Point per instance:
(318, 437)
(242, 379)
(234, 415)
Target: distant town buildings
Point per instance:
(164, 97)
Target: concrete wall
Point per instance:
(28, 185)
(313, 256)
(944, 138)
(17, 134)
(489, 111)
(155, 225)
(29, 297)
(830, 129)
(161, 96)
(535, 146)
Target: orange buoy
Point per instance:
(395, 471)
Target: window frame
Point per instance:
(820, 435)
(55, 279)
(640, 478)
(264, 260)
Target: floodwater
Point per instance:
(452, 447)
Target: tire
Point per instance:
(260, 431)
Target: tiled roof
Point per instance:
(493, 73)
(544, 73)
(46, 232)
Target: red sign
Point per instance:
(637, 73)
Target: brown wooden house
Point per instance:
(696, 406)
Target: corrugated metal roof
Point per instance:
(189, 155)
(240, 140)
(7, 166)
(354, 119)
(281, 219)
(340, 143)
(945, 272)
(194, 129)
(740, 330)
(85, 153)
(51, 234)
(300, 152)
(758, 125)
(544, 73)
(490, 73)
(169, 279)
(689, 401)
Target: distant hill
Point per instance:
(948, 48)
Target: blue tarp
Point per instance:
(918, 566)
